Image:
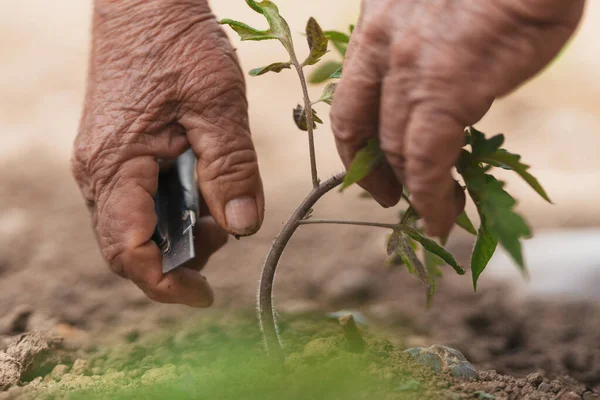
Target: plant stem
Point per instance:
(309, 121)
(265, 291)
(342, 222)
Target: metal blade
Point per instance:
(177, 204)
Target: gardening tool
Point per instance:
(177, 205)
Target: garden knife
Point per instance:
(177, 206)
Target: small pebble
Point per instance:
(535, 379)
(570, 396)
(544, 387)
(359, 317)
(441, 358)
(79, 367)
(58, 372)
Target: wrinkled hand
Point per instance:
(418, 72)
(164, 77)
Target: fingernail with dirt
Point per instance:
(242, 215)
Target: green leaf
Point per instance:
(328, 93)
(464, 222)
(482, 146)
(324, 71)
(301, 121)
(365, 161)
(337, 74)
(339, 40)
(278, 27)
(275, 67)
(336, 36)
(506, 160)
(247, 32)
(432, 247)
(317, 42)
(485, 246)
(495, 207)
(399, 245)
(433, 264)
(410, 216)
(254, 6)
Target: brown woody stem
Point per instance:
(356, 223)
(265, 291)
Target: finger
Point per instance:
(551, 10)
(393, 120)
(354, 118)
(228, 174)
(167, 142)
(210, 237)
(143, 266)
(125, 220)
(433, 143)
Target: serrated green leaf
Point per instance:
(301, 121)
(275, 67)
(365, 161)
(509, 161)
(481, 146)
(317, 42)
(464, 222)
(495, 207)
(432, 247)
(324, 71)
(328, 93)
(485, 246)
(337, 74)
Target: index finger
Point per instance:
(355, 117)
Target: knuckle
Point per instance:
(395, 158)
(404, 52)
(227, 166)
(375, 30)
(220, 97)
(348, 130)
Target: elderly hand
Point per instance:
(163, 77)
(418, 72)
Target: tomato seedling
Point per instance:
(500, 224)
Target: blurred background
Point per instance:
(50, 263)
